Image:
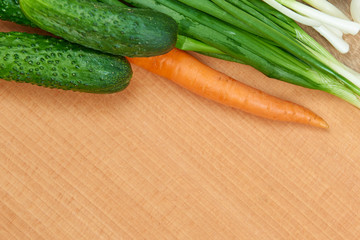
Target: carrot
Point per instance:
(188, 72)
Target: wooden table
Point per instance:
(157, 162)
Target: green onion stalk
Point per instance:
(327, 7)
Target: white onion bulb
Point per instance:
(355, 10)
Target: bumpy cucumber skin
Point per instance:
(10, 11)
(115, 30)
(56, 63)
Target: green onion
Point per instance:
(328, 20)
(190, 44)
(326, 7)
(111, 2)
(355, 10)
(346, 26)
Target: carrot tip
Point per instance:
(321, 123)
(324, 124)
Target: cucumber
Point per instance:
(116, 30)
(10, 11)
(55, 63)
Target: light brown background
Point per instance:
(157, 162)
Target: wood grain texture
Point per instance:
(157, 162)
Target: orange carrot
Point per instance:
(188, 72)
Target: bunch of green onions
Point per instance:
(254, 33)
(323, 16)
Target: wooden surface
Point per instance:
(157, 162)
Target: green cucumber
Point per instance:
(55, 63)
(116, 30)
(10, 11)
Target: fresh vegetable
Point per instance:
(326, 7)
(111, 2)
(333, 35)
(331, 26)
(56, 63)
(115, 30)
(355, 10)
(261, 37)
(322, 18)
(188, 72)
(189, 44)
(10, 11)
